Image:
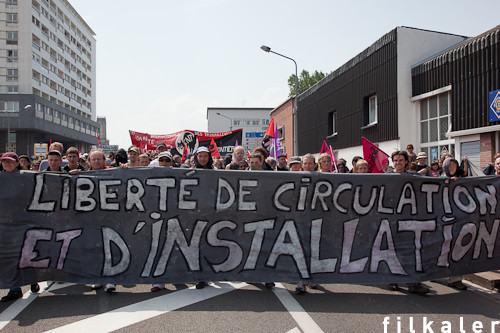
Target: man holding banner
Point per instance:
(401, 161)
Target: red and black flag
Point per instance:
(214, 151)
(266, 142)
(184, 154)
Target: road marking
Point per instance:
(301, 317)
(135, 313)
(60, 285)
(19, 305)
(294, 330)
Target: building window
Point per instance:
(13, 139)
(35, 57)
(12, 74)
(11, 38)
(11, 18)
(12, 55)
(434, 123)
(255, 122)
(236, 122)
(265, 122)
(246, 122)
(332, 123)
(12, 89)
(10, 106)
(281, 133)
(370, 110)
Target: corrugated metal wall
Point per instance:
(472, 70)
(373, 71)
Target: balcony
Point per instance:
(36, 46)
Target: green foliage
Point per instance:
(306, 81)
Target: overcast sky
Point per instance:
(161, 63)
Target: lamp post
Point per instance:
(294, 107)
(8, 123)
(230, 120)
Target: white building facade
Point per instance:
(253, 121)
(47, 61)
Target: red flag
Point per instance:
(270, 129)
(214, 151)
(329, 151)
(334, 159)
(99, 140)
(333, 155)
(266, 142)
(324, 148)
(184, 153)
(375, 157)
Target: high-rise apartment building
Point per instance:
(47, 76)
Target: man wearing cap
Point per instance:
(133, 156)
(281, 163)
(160, 148)
(10, 163)
(295, 163)
(54, 157)
(24, 162)
(44, 165)
(422, 168)
(203, 159)
(165, 159)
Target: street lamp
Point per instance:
(230, 120)
(8, 123)
(294, 107)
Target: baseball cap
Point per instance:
(165, 154)
(421, 155)
(161, 144)
(295, 160)
(134, 149)
(202, 149)
(10, 156)
(55, 152)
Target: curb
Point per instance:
(489, 280)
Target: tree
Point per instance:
(306, 81)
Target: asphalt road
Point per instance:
(241, 307)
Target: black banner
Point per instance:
(146, 225)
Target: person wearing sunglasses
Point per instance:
(165, 159)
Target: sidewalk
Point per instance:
(489, 280)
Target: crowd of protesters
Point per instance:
(72, 161)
